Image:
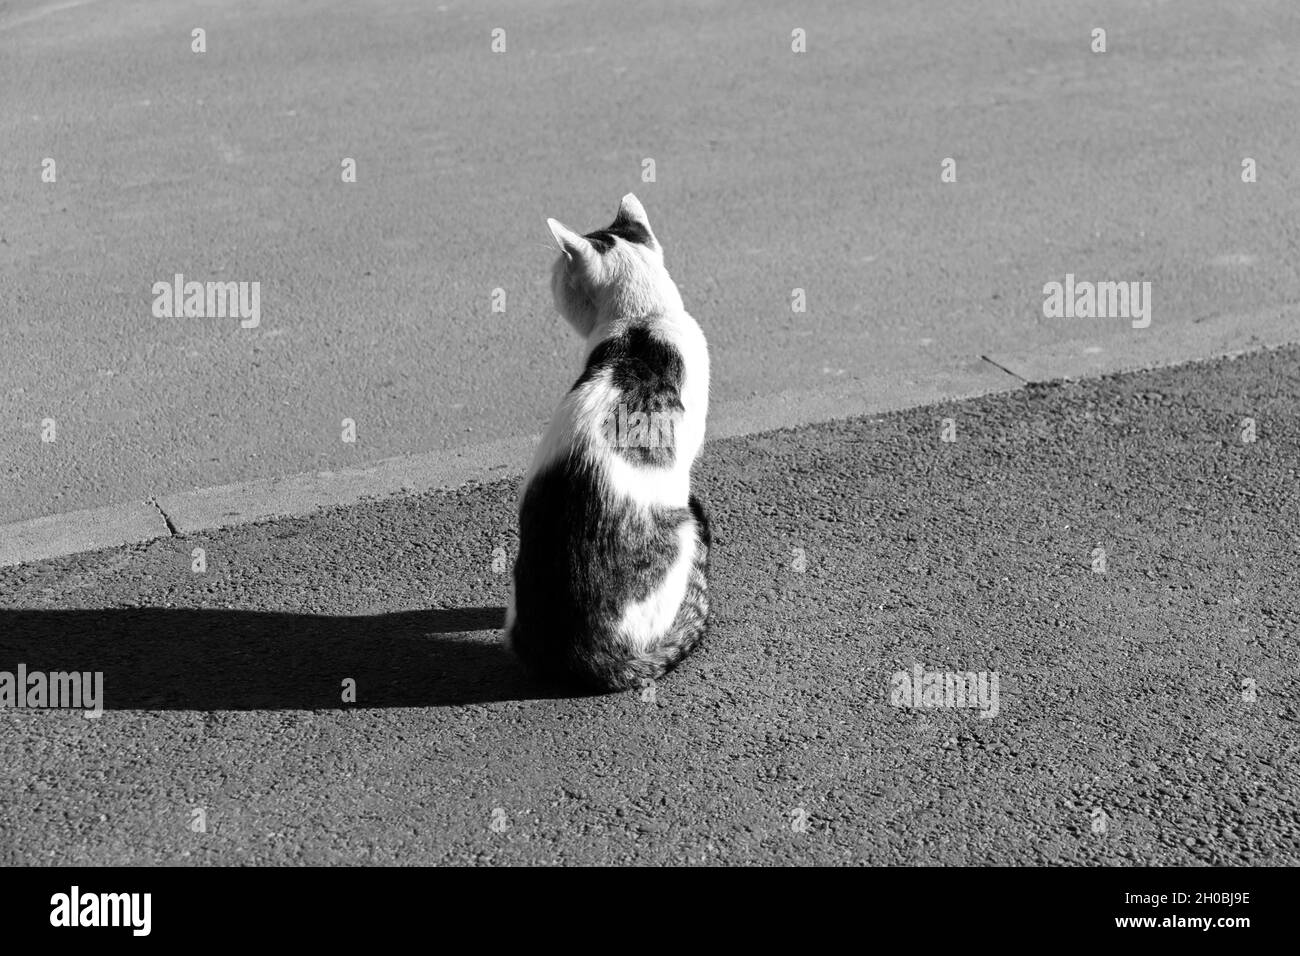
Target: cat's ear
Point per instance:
(571, 244)
(631, 212)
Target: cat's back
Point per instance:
(615, 485)
(606, 521)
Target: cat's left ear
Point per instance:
(571, 244)
(632, 213)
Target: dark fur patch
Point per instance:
(621, 228)
(582, 560)
(648, 374)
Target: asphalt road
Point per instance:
(845, 552)
(773, 171)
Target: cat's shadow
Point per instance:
(208, 660)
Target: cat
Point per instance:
(610, 584)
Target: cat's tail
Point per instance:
(620, 672)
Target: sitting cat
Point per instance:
(610, 586)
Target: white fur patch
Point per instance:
(645, 622)
(580, 413)
(644, 485)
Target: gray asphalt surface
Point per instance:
(774, 171)
(1119, 691)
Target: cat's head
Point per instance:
(612, 273)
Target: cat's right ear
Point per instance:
(571, 244)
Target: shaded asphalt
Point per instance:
(1146, 712)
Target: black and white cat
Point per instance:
(611, 582)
